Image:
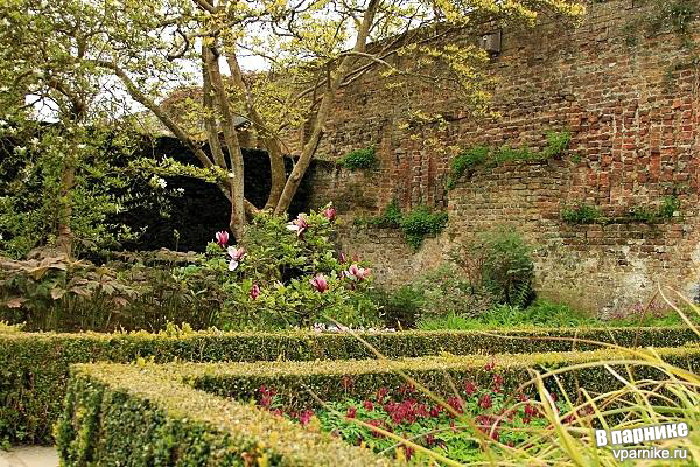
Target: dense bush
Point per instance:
(55, 293)
(285, 274)
(288, 274)
(35, 367)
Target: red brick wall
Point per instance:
(634, 113)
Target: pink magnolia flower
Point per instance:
(329, 213)
(320, 283)
(305, 417)
(357, 273)
(222, 238)
(255, 291)
(299, 225)
(236, 255)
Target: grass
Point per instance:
(541, 313)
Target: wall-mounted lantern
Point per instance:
(491, 42)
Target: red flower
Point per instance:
(456, 404)
(490, 366)
(255, 291)
(352, 411)
(469, 388)
(435, 411)
(381, 394)
(347, 382)
(376, 423)
(368, 405)
(485, 402)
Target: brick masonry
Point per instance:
(633, 107)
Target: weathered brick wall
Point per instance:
(633, 107)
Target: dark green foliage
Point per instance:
(507, 270)
(34, 367)
(401, 306)
(471, 158)
(359, 159)
(669, 206)
(422, 222)
(478, 156)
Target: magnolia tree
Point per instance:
(304, 53)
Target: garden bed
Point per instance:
(196, 413)
(34, 366)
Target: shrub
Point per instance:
(54, 293)
(272, 278)
(447, 292)
(359, 159)
(498, 262)
(401, 307)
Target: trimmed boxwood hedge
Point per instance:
(34, 367)
(112, 411)
(128, 415)
(295, 382)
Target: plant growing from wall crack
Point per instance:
(486, 156)
(416, 224)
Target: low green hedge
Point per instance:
(34, 367)
(127, 415)
(298, 385)
(112, 411)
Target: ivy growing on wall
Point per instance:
(586, 214)
(486, 156)
(416, 224)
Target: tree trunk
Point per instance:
(238, 217)
(271, 142)
(64, 234)
(319, 122)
